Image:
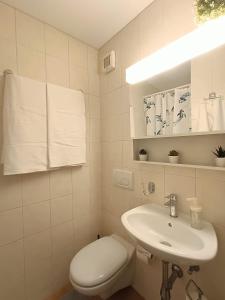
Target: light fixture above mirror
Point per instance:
(205, 38)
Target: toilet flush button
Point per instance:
(123, 178)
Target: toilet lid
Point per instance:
(97, 262)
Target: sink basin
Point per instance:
(170, 239)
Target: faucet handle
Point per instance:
(172, 199)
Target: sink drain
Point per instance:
(166, 243)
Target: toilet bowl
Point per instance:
(103, 267)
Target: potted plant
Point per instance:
(220, 156)
(206, 10)
(143, 155)
(173, 157)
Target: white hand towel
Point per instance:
(24, 126)
(66, 126)
(182, 111)
(203, 120)
(218, 114)
(149, 108)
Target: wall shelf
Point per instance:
(179, 135)
(195, 150)
(180, 165)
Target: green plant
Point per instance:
(209, 9)
(173, 153)
(220, 152)
(142, 152)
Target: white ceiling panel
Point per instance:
(92, 21)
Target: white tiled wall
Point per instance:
(161, 23)
(46, 217)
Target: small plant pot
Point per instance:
(173, 159)
(220, 161)
(143, 157)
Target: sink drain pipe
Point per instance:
(168, 281)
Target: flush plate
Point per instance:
(123, 178)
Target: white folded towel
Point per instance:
(66, 126)
(24, 126)
(218, 114)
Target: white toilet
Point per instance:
(103, 267)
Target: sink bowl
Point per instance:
(170, 239)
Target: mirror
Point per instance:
(186, 100)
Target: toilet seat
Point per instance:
(98, 262)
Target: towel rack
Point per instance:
(213, 96)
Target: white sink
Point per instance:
(170, 239)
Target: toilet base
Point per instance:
(124, 281)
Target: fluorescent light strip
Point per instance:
(205, 38)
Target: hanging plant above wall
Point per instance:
(209, 9)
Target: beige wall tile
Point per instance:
(38, 279)
(93, 83)
(61, 266)
(31, 63)
(180, 171)
(30, 32)
(130, 43)
(38, 265)
(56, 43)
(62, 239)
(173, 15)
(94, 107)
(152, 36)
(11, 226)
(92, 60)
(12, 271)
(35, 187)
(81, 191)
(79, 79)
(8, 55)
(82, 230)
(61, 210)
(7, 22)
(10, 196)
(211, 191)
(38, 246)
(78, 54)
(95, 129)
(60, 182)
(36, 217)
(57, 71)
(214, 284)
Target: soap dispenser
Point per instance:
(195, 212)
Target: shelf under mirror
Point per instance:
(195, 150)
(180, 165)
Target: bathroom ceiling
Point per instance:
(92, 21)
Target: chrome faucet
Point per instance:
(172, 204)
